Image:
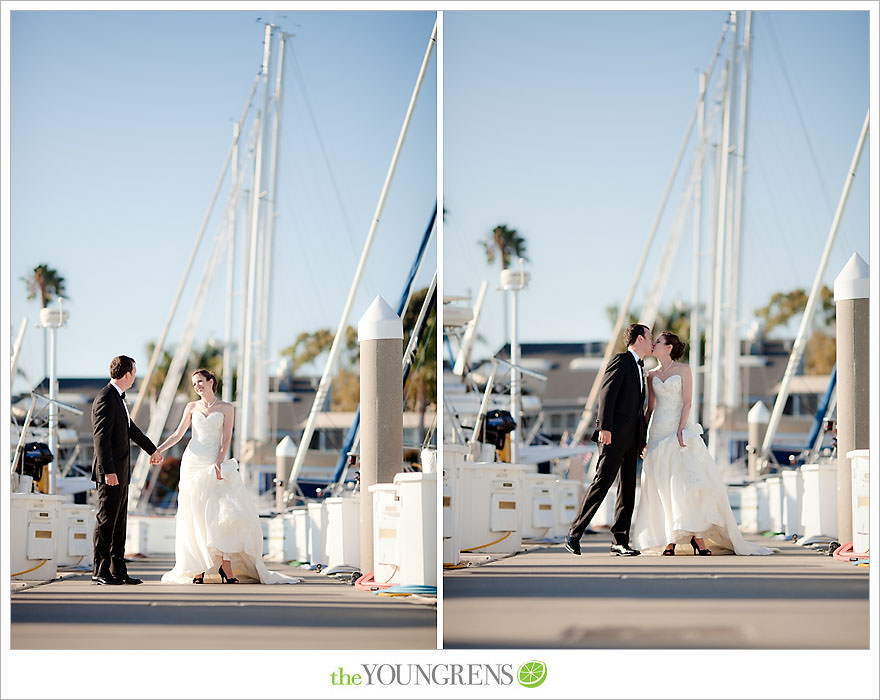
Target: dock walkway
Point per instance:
(548, 598)
(319, 613)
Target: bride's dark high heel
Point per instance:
(669, 551)
(697, 550)
(225, 578)
(200, 578)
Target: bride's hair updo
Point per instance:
(208, 375)
(677, 348)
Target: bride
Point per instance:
(217, 527)
(683, 499)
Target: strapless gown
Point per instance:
(682, 492)
(216, 519)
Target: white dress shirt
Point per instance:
(121, 392)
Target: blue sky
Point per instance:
(120, 125)
(566, 126)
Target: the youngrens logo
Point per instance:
(529, 675)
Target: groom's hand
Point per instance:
(605, 437)
(111, 480)
(156, 457)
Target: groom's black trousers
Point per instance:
(110, 523)
(613, 460)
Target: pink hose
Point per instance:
(367, 583)
(845, 553)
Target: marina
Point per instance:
(346, 497)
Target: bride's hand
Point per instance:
(681, 439)
(218, 472)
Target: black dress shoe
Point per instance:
(624, 550)
(573, 545)
(106, 581)
(128, 580)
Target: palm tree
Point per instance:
(309, 346)
(421, 385)
(209, 357)
(45, 282)
(504, 243)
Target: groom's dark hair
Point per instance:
(633, 331)
(120, 366)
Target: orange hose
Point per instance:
(27, 571)
(500, 539)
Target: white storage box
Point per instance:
(792, 502)
(537, 512)
(386, 524)
(819, 512)
(33, 534)
(861, 497)
(343, 531)
(75, 546)
(488, 509)
(417, 534)
(317, 550)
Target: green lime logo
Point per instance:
(531, 674)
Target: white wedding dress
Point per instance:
(216, 519)
(682, 493)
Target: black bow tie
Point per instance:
(641, 363)
(122, 396)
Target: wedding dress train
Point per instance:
(682, 493)
(216, 519)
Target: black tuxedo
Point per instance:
(113, 432)
(622, 412)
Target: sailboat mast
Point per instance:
(230, 270)
(797, 350)
(718, 292)
(261, 398)
(695, 271)
(336, 348)
(248, 381)
(732, 361)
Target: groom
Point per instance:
(111, 470)
(621, 432)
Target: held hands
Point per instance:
(157, 457)
(218, 472)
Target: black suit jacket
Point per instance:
(112, 434)
(621, 403)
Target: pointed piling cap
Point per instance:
(379, 322)
(286, 448)
(853, 282)
(759, 414)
